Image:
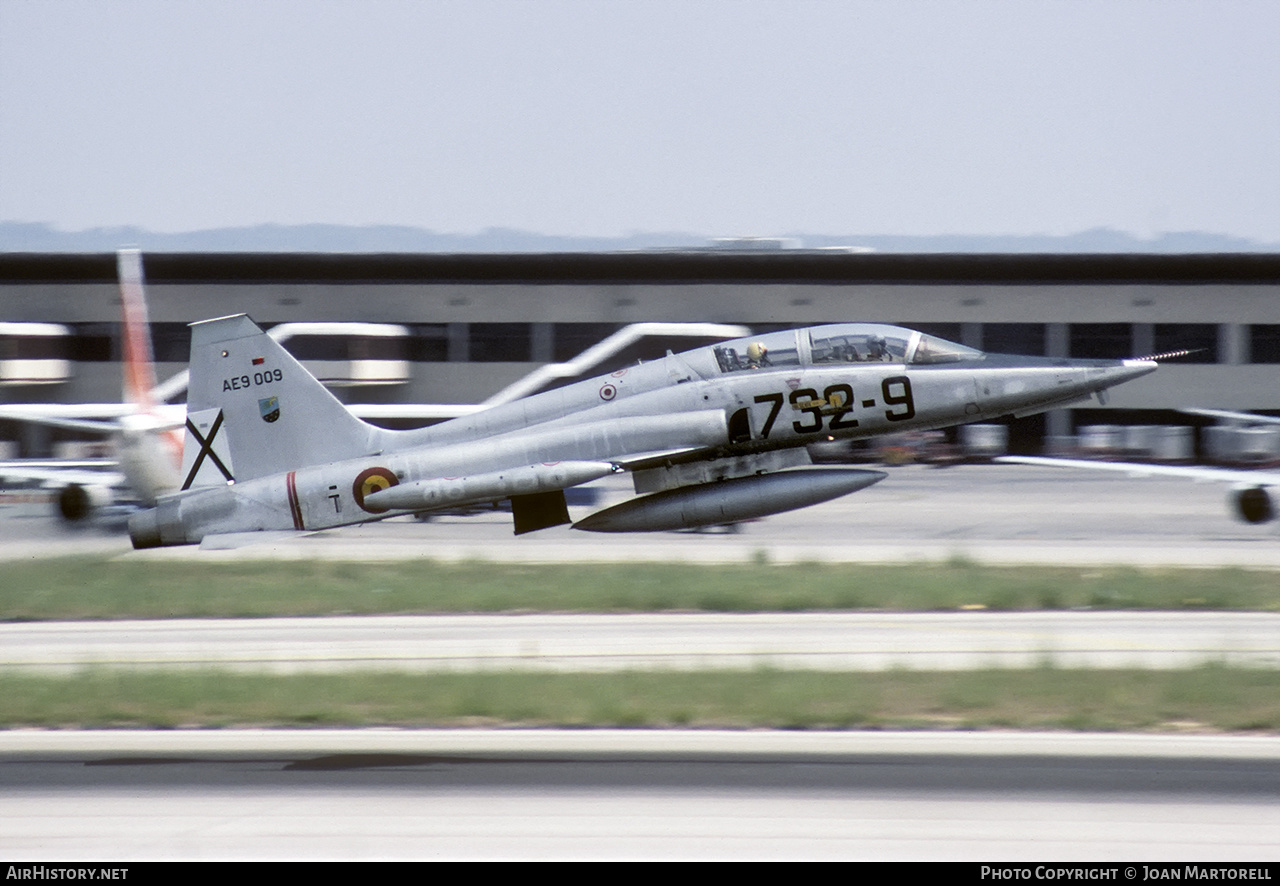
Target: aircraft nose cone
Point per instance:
(1101, 378)
(1127, 370)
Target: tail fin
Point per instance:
(253, 410)
(148, 444)
(139, 363)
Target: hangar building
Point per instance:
(469, 324)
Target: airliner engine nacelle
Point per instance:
(1253, 505)
(77, 503)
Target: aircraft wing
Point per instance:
(95, 417)
(102, 418)
(1248, 418)
(58, 472)
(1136, 469)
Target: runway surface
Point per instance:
(588, 795)
(1008, 514)
(706, 795)
(592, 642)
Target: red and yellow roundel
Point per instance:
(370, 481)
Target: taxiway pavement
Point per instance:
(509, 794)
(1000, 514)
(706, 795)
(845, 641)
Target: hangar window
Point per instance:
(428, 342)
(95, 342)
(1199, 338)
(501, 342)
(1103, 341)
(1026, 339)
(571, 339)
(171, 342)
(1264, 343)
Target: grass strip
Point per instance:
(100, 587)
(1205, 698)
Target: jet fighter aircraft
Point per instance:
(711, 436)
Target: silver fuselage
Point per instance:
(711, 402)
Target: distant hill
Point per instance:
(37, 237)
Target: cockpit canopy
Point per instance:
(840, 343)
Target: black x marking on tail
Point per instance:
(206, 448)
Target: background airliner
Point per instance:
(145, 433)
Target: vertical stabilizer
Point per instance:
(148, 444)
(139, 362)
(260, 412)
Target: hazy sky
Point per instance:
(609, 117)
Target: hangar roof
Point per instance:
(659, 268)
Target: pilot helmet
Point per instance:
(756, 351)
